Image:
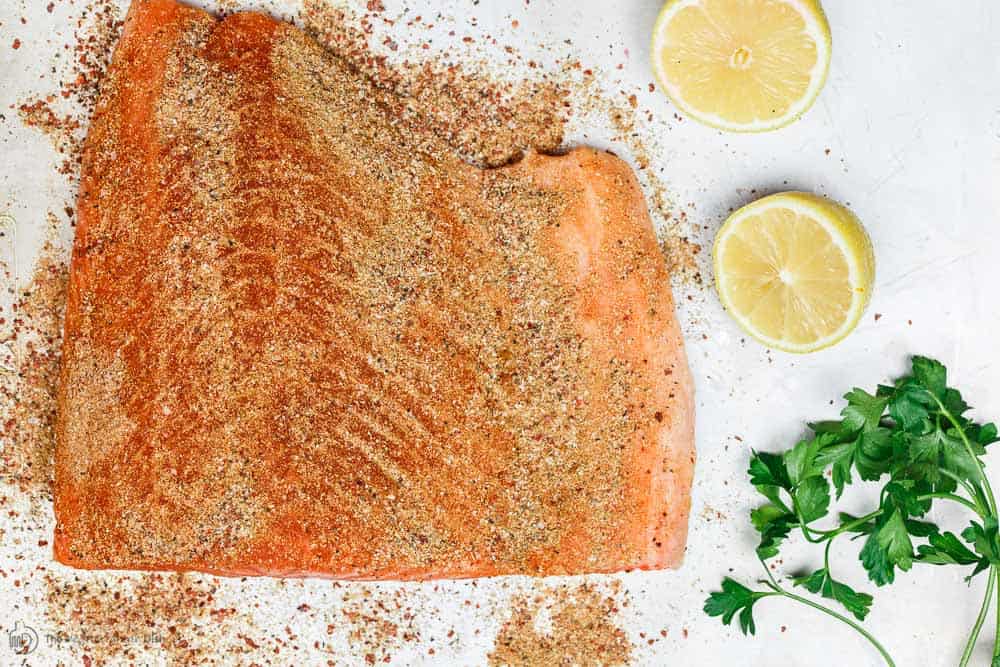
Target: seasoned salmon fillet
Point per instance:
(305, 338)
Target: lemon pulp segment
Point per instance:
(742, 65)
(795, 270)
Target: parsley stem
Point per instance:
(830, 534)
(955, 498)
(772, 583)
(840, 617)
(994, 575)
(960, 481)
(803, 524)
(996, 633)
(970, 645)
(971, 453)
(807, 532)
(767, 571)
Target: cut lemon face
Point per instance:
(795, 270)
(742, 65)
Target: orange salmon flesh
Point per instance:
(305, 338)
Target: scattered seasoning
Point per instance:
(115, 618)
(681, 255)
(582, 630)
(380, 621)
(28, 396)
(488, 120)
(64, 131)
(61, 114)
(709, 513)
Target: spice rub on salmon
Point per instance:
(304, 338)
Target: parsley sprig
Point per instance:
(915, 438)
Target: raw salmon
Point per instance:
(304, 338)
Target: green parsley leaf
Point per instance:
(954, 403)
(946, 549)
(931, 374)
(764, 515)
(768, 469)
(732, 599)
(820, 581)
(831, 427)
(800, 461)
(956, 458)
(926, 447)
(921, 455)
(768, 475)
(910, 406)
(773, 528)
(812, 498)
(983, 435)
(921, 528)
(981, 566)
(887, 547)
(905, 497)
(873, 455)
(863, 411)
(841, 457)
(983, 538)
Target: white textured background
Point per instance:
(911, 117)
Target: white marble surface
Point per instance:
(911, 118)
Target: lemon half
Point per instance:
(742, 65)
(795, 270)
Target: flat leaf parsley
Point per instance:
(915, 438)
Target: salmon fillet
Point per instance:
(304, 338)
